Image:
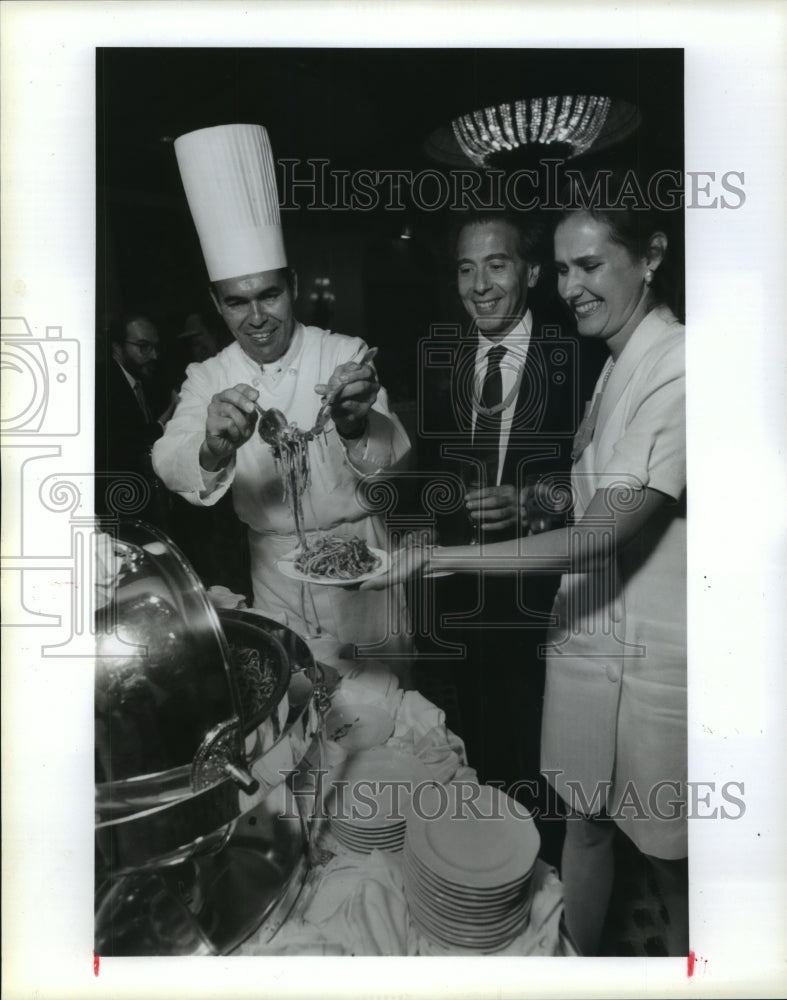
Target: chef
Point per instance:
(211, 445)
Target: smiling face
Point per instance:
(492, 279)
(604, 285)
(257, 309)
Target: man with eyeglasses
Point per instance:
(132, 409)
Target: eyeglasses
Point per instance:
(145, 347)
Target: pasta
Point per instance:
(328, 556)
(290, 444)
(291, 453)
(336, 558)
(256, 678)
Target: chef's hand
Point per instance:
(232, 417)
(495, 508)
(351, 390)
(406, 563)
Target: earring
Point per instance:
(648, 276)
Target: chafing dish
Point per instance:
(202, 834)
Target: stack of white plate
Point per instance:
(371, 796)
(468, 866)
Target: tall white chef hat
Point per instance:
(230, 182)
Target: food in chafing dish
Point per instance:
(336, 558)
(256, 677)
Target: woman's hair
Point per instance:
(630, 225)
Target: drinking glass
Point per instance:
(543, 501)
(473, 478)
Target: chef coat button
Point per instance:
(613, 673)
(255, 381)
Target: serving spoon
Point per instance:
(270, 425)
(272, 421)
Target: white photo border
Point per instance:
(735, 75)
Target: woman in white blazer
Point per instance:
(614, 732)
(614, 737)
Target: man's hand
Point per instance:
(495, 508)
(232, 417)
(351, 391)
(166, 416)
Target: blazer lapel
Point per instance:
(532, 398)
(650, 329)
(462, 379)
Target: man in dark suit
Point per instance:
(132, 409)
(503, 414)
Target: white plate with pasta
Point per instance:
(331, 561)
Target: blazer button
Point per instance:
(613, 673)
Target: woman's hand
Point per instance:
(406, 563)
(580, 548)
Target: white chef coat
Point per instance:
(615, 700)
(332, 502)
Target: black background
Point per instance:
(369, 109)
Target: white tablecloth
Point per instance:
(355, 903)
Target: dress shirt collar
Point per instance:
(516, 340)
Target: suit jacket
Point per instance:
(555, 383)
(124, 439)
(490, 628)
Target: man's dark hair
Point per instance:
(118, 328)
(530, 227)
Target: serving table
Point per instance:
(355, 904)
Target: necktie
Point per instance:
(139, 392)
(486, 436)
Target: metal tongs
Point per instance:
(330, 398)
(272, 422)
